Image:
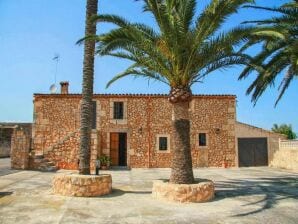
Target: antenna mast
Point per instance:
(53, 87)
(57, 59)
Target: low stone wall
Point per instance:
(5, 141)
(20, 148)
(200, 192)
(286, 159)
(82, 185)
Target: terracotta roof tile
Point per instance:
(132, 95)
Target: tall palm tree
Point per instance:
(87, 91)
(180, 52)
(279, 38)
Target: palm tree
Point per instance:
(87, 91)
(279, 38)
(180, 52)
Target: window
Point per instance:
(118, 110)
(202, 139)
(163, 143)
(93, 114)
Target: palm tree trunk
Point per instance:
(181, 172)
(87, 91)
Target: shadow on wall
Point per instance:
(273, 190)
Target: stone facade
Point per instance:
(146, 117)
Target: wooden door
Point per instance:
(114, 148)
(122, 149)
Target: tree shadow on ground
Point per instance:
(5, 193)
(272, 189)
(118, 192)
(4, 172)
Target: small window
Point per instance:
(202, 139)
(163, 143)
(93, 114)
(118, 110)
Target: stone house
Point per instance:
(134, 129)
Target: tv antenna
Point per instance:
(53, 87)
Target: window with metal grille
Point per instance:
(118, 110)
(93, 114)
(163, 143)
(202, 139)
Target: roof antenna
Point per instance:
(53, 87)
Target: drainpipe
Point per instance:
(148, 128)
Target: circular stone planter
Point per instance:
(82, 185)
(202, 191)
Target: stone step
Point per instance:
(47, 163)
(48, 168)
(45, 160)
(50, 164)
(39, 157)
(38, 160)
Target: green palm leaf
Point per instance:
(279, 38)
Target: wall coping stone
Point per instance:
(77, 95)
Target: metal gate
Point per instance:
(252, 152)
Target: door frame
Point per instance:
(120, 130)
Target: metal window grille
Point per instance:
(202, 139)
(118, 110)
(163, 143)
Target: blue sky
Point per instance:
(33, 31)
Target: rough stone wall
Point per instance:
(286, 159)
(146, 117)
(56, 131)
(20, 148)
(248, 131)
(215, 116)
(287, 155)
(5, 141)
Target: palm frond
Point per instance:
(181, 47)
(278, 36)
(285, 84)
(137, 72)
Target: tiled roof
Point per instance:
(132, 95)
(13, 124)
(261, 129)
